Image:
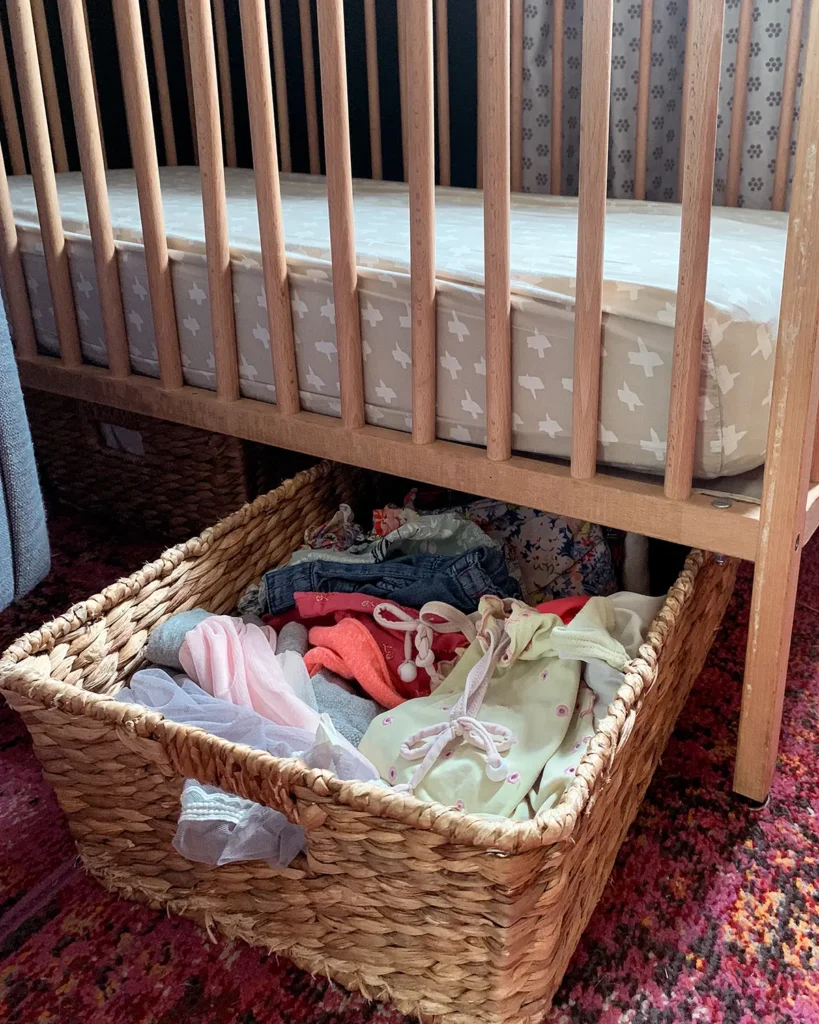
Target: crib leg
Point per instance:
(766, 669)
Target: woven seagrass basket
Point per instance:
(447, 915)
(158, 476)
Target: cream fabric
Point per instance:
(639, 295)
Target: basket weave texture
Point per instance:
(449, 916)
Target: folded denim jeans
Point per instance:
(411, 580)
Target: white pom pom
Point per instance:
(407, 672)
(497, 772)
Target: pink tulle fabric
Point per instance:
(236, 662)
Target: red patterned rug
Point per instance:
(712, 913)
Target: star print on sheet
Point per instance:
(297, 305)
(531, 384)
(628, 397)
(725, 378)
(764, 344)
(402, 357)
(550, 426)
(668, 315)
(728, 441)
(196, 294)
(468, 404)
(450, 363)
(191, 324)
(716, 330)
(655, 446)
(705, 406)
(385, 392)
(328, 311)
(539, 342)
(139, 289)
(262, 334)
(645, 358)
(314, 380)
(326, 348)
(371, 314)
(457, 327)
(606, 437)
(247, 371)
(632, 290)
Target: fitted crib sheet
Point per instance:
(639, 295)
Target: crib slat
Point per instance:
(783, 530)
(373, 97)
(643, 93)
(94, 82)
(496, 213)
(214, 206)
(401, 10)
(746, 13)
(13, 137)
(442, 71)
(32, 101)
(591, 231)
(480, 31)
(340, 200)
(702, 86)
(225, 86)
(279, 74)
(131, 46)
(49, 84)
(558, 57)
(786, 109)
(516, 86)
(14, 281)
(687, 63)
(186, 61)
(268, 198)
(89, 143)
(161, 72)
(422, 217)
(309, 65)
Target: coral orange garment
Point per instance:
(372, 654)
(349, 650)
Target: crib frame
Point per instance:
(771, 535)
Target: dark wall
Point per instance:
(462, 73)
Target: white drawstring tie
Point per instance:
(423, 630)
(491, 739)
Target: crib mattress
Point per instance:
(639, 295)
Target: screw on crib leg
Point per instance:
(721, 559)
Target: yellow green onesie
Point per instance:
(482, 739)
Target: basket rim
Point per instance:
(277, 779)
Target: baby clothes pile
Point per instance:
(457, 656)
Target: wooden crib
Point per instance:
(772, 534)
